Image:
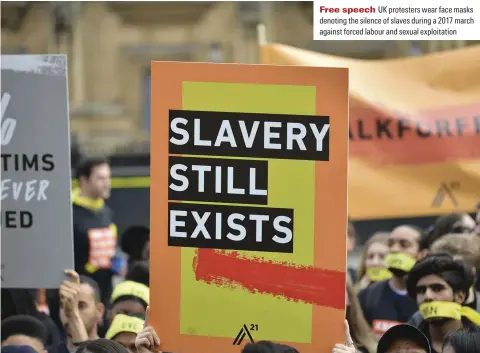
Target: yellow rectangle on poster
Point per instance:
(291, 184)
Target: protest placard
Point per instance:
(37, 242)
(248, 205)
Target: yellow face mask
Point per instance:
(448, 310)
(377, 274)
(399, 261)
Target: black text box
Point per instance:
(304, 137)
(230, 227)
(218, 180)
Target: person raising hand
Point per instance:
(147, 340)
(70, 313)
(80, 311)
(347, 346)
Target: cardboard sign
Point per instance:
(37, 242)
(248, 206)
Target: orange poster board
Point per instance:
(248, 205)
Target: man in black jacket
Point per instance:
(95, 234)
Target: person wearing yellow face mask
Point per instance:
(440, 285)
(371, 268)
(461, 247)
(124, 330)
(386, 303)
(129, 298)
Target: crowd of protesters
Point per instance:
(414, 290)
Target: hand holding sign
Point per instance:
(348, 346)
(69, 290)
(147, 340)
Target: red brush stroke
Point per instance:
(305, 284)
